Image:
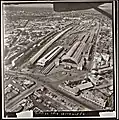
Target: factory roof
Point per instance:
(75, 52)
(43, 49)
(84, 86)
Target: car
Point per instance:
(23, 88)
(13, 81)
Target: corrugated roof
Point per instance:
(85, 86)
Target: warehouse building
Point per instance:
(49, 56)
(84, 86)
(43, 49)
(87, 95)
(105, 70)
(74, 54)
(88, 51)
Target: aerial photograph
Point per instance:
(57, 61)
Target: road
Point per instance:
(26, 92)
(72, 97)
(18, 98)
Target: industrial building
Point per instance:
(88, 51)
(93, 79)
(43, 49)
(74, 54)
(84, 86)
(49, 56)
(105, 70)
(78, 88)
(87, 95)
(81, 64)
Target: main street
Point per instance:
(24, 93)
(40, 82)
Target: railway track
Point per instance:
(48, 68)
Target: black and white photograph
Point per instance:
(58, 58)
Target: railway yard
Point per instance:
(58, 63)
